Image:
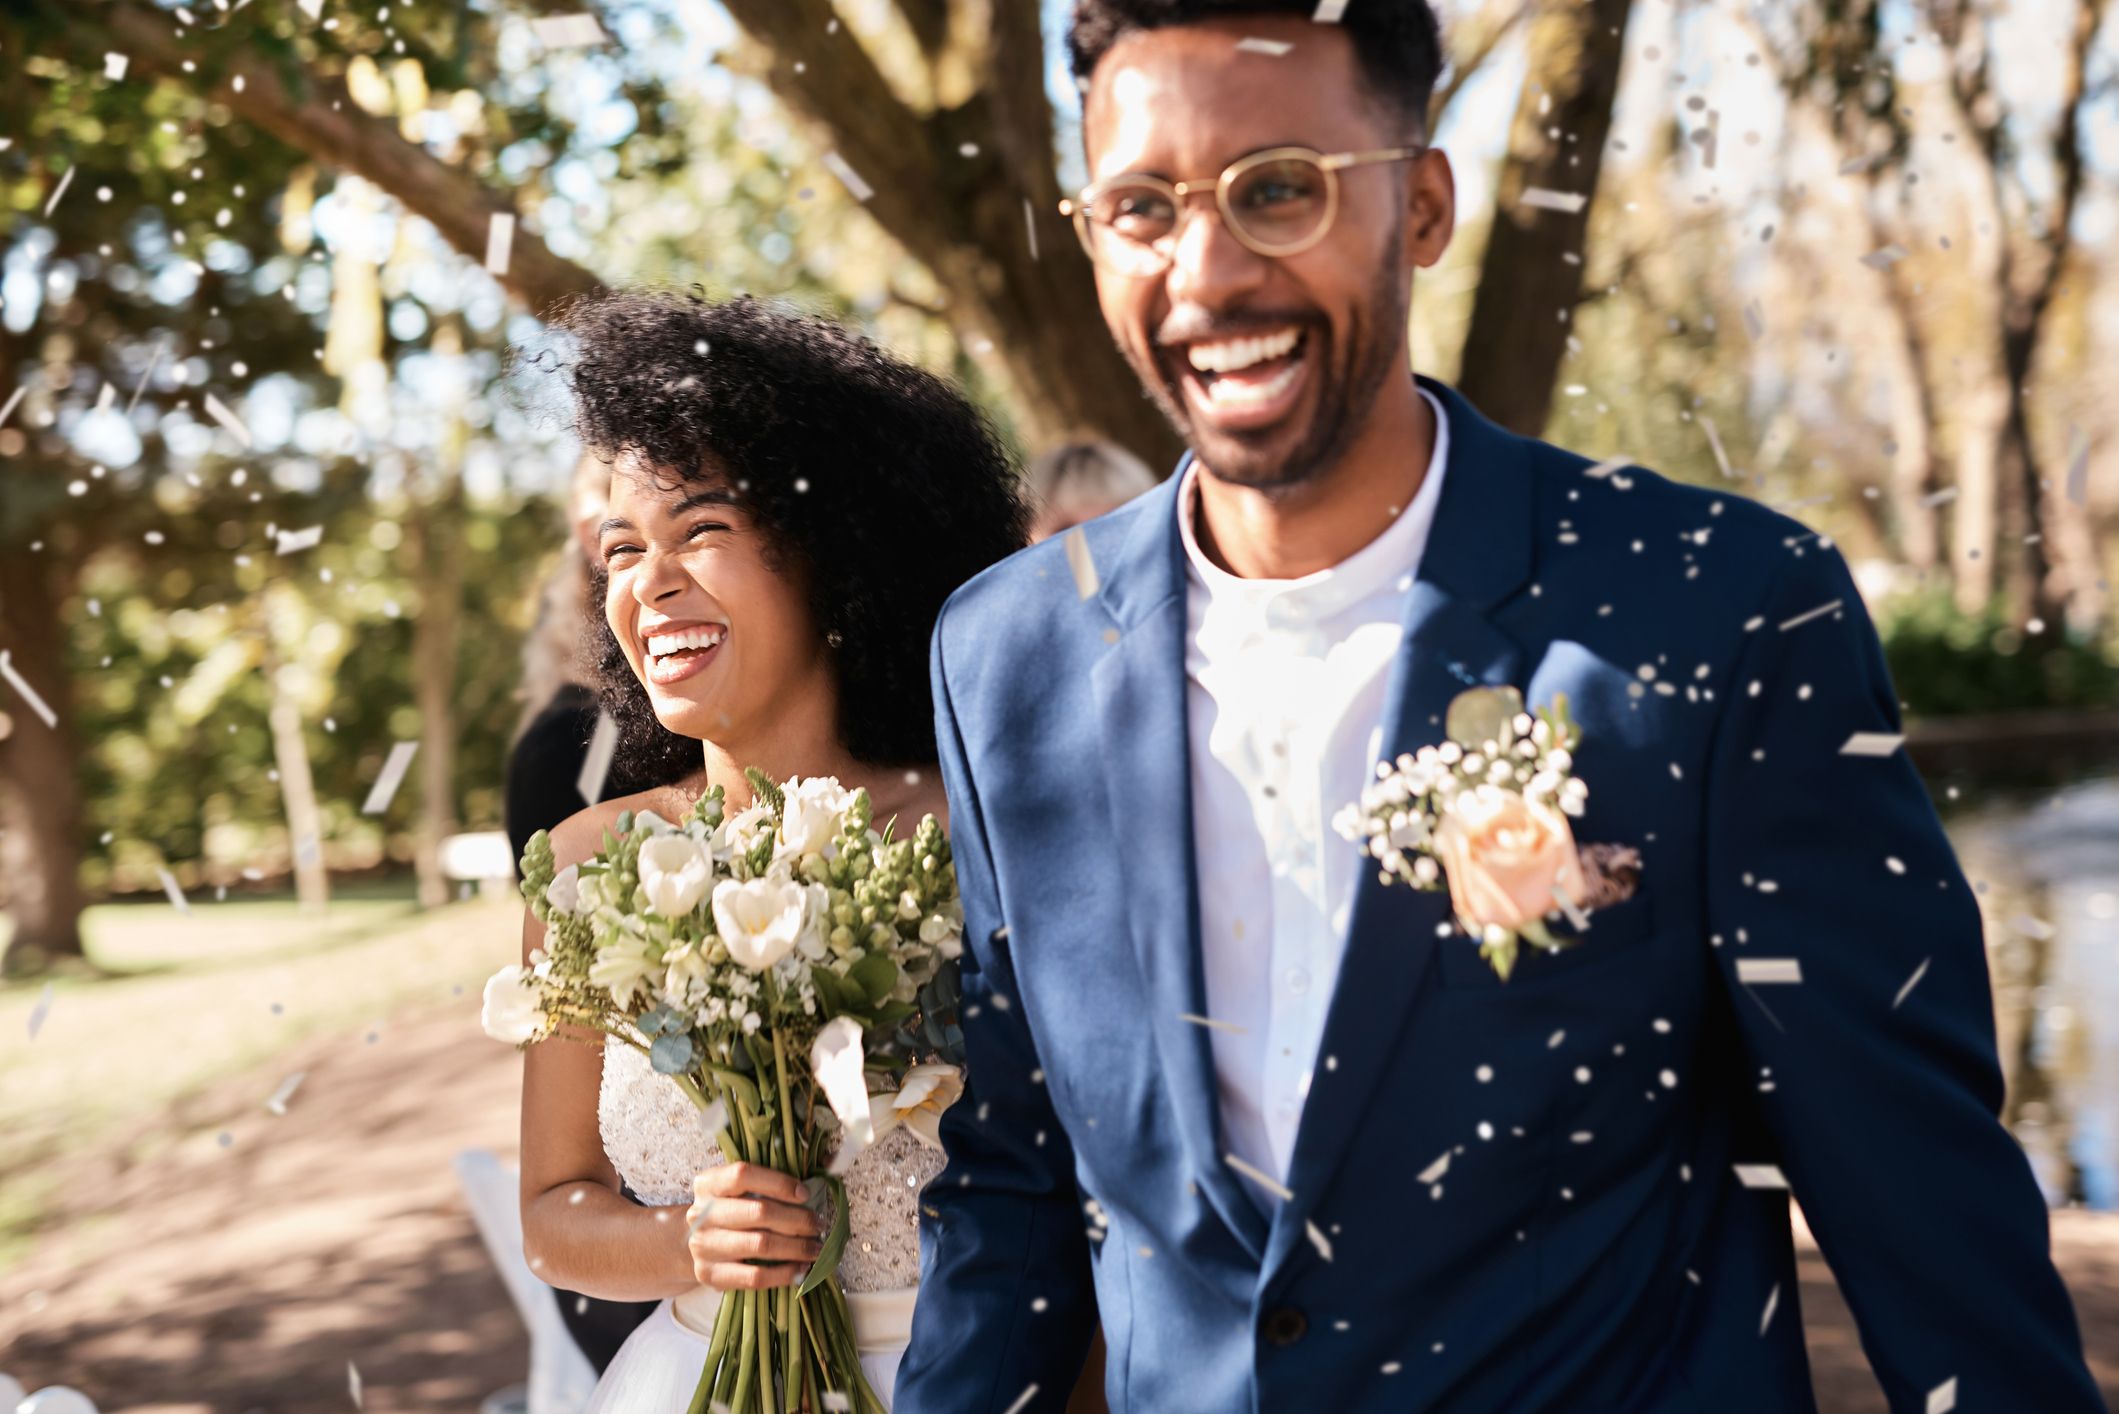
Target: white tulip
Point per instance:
(676, 872)
(811, 818)
(760, 920)
(513, 1010)
(837, 1059)
(654, 824)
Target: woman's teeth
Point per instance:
(1230, 355)
(661, 645)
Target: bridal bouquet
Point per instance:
(794, 971)
(1485, 814)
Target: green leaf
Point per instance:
(761, 786)
(891, 1013)
(1482, 714)
(827, 1261)
(836, 993)
(875, 974)
(671, 1055)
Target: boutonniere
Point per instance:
(1485, 814)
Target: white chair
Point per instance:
(561, 1378)
(482, 857)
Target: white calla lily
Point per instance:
(837, 1058)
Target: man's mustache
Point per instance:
(1193, 326)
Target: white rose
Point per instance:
(676, 872)
(837, 1059)
(811, 818)
(564, 892)
(760, 920)
(513, 1010)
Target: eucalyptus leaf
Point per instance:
(1482, 714)
(671, 1055)
(827, 1261)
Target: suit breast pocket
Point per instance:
(1616, 935)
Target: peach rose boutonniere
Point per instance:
(1487, 815)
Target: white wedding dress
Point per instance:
(655, 1140)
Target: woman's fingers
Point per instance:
(748, 1180)
(747, 1213)
(741, 1245)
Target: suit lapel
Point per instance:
(1478, 554)
(1140, 700)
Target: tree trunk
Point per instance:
(1528, 287)
(434, 532)
(40, 796)
(305, 823)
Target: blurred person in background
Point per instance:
(1078, 481)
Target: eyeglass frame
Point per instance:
(1331, 164)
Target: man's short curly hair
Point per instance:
(1398, 42)
(878, 485)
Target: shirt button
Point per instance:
(1298, 980)
(1284, 1326)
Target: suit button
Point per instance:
(1285, 1325)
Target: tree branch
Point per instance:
(1479, 46)
(328, 125)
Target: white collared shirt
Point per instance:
(1285, 686)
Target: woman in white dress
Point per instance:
(789, 508)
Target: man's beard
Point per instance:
(1343, 401)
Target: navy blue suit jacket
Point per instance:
(1598, 1251)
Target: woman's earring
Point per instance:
(834, 639)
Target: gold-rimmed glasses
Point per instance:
(1277, 202)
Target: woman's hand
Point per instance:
(750, 1229)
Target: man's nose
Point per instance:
(1208, 265)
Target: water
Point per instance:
(2047, 868)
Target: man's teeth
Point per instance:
(661, 645)
(1233, 392)
(1229, 355)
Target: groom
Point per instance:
(1284, 1128)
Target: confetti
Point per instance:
(176, 895)
(2078, 474)
(1318, 1240)
(1251, 44)
(1081, 562)
(114, 66)
(2035, 928)
(714, 1118)
(41, 1010)
(29, 694)
(353, 1384)
(848, 176)
(597, 764)
(500, 241)
(1773, 1301)
(1434, 1171)
(291, 542)
(1863, 163)
(391, 777)
(1260, 1177)
(568, 31)
(59, 191)
(1714, 440)
(12, 400)
(218, 411)
(1911, 982)
(278, 1103)
(1938, 498)
(1872, 743)
(1884, 259)
(1229, 1026)
(1546, 199)
(1943, 1398)
(1754, 321)
(1808, 614)
(314, 9)
(1607, 466)
(1763, 970)
(153, 359)
(836, 1402)
(1761, 1176)
(1328, 12)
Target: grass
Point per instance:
(190, 999)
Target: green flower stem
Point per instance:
(759, 1300)
(746, 1368)
(790, 1350)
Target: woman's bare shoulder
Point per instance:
(581, 834)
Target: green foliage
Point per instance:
(1946, 663)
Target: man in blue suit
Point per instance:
(1284, 1128)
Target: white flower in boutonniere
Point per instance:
(1486, 815)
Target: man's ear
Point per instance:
(1431, 208)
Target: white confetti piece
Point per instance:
(29, 694)
(1863, 163)
(1938, 498)
(292, 542)
(1209, 1021)
(1546, 199)
(1758, 971)
(500, 241)
(1911, 982)
(1714, 441)
(353, 1384)
(218, 411)
(2030, 927)
(176, 894)
(161, 345)
(568, 31)
(848, 176)
(114, 66)
(305, 849)
(1252, 44)
(1081, 562)
(13, 400)
(1317, 1238)
(1607, 466)
(1328, 11)
(1773, 1302)
(1943, 1398)
(1761, 1176)
(1022, 1401)
(1884, 259)
(1754, 321)
(2078, 470)
(1434, 1171)
(1030, 225)
(1808, 614)
(41, 1010)
(277, 1104)
(837, 1403)
(314, 9)
(1260, 1177)
(597, 764)
(714, 1118)
(58, 191)
(1873, 743)
(391, 777)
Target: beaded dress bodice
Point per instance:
(653, 1136)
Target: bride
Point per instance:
(789, 508)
